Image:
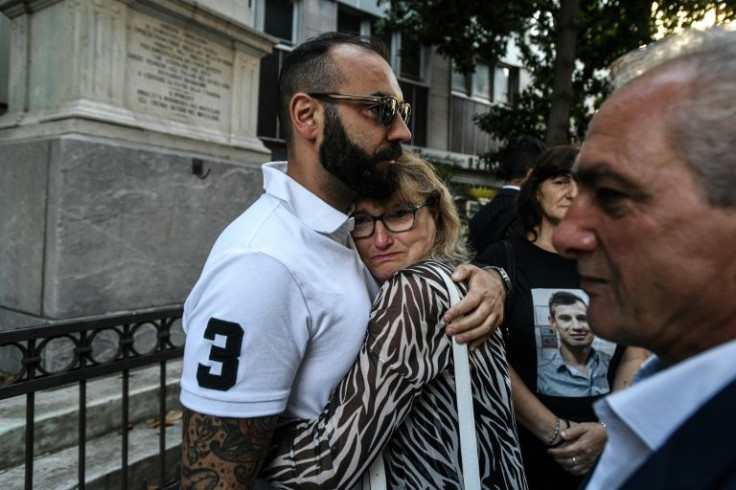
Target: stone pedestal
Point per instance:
(129, 143)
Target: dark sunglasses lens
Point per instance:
(388, 111)
(405, 112)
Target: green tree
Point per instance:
(565, 44)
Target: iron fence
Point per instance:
(97, 347)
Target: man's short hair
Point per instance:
(310, 68)
(563, 298)
(519, 156)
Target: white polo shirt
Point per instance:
(280, 311)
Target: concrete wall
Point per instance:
(91, 226)
(111, 105)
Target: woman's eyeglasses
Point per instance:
(397, 221)
(386, 105)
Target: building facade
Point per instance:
(133, 131)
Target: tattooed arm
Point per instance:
(220, 452)
(240, 360)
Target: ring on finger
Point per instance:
(573, 461)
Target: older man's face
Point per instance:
(656, 260)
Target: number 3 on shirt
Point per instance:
(227, 356)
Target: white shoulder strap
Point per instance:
(375, 478)
(464, 393)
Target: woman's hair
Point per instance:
(419, 182)
(552, 163)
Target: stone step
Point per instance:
(59, 470)
(57, 411)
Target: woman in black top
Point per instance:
(558, 367)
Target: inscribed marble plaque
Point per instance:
(177, 74)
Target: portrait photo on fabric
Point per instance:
(571, 360)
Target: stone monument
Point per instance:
(129, 143)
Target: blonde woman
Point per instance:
(400, 394)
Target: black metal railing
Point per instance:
(95, 347)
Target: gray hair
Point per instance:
(703, 125)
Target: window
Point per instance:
(482, 82)
(411, 60)
(348, 22)
(465, 136)
(497, 85)
(417, 95)
(473, 94)
(500, 84)
(268, 125)
(505, 83)
(460, 83)
(386, 37)
(278, 19)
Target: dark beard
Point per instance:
(367, 176)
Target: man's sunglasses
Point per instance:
(387, 106)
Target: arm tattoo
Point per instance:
(221, 452)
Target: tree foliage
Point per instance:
(474, 31)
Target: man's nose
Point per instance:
(399, 130)
(573, 237)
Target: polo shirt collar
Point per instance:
(310, 209)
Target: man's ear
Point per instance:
(306, 115)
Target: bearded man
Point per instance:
(280, 311)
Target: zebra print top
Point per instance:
(400, 394)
